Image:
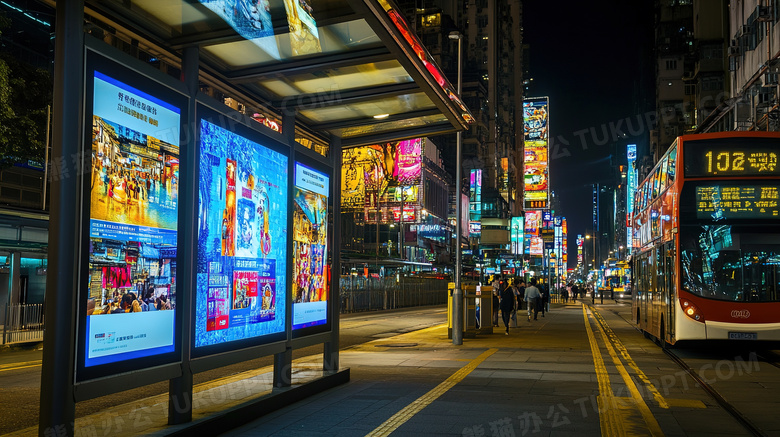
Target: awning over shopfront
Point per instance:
(347, 68)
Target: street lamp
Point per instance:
(457, 293)
(593, 239)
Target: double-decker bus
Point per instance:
(706, 240)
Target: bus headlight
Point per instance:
(691, 311)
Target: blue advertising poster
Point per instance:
(242, 238)
(310, 247)
(132, 224)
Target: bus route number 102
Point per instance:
(725, 161)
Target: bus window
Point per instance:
(670, 170)
(663, 173)
(731, 263)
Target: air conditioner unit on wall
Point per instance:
(746, 29)
(764, 13)
(735, 50)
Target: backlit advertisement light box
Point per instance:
(310, 247)
(132, 224)
(242, 238)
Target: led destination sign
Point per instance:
(718, 202)
(749, 157)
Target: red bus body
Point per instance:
(663, 272)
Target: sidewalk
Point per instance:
(545, 378)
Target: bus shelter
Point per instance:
(195, 182)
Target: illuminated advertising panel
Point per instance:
(250, 19)
(631, 183)
(304, 37)
(533, 221)
(536, 246)
(536, 169)
(408, 161)
(133, 222)
(242, 238)
(729, 201)
(516, 235)
(558, 246)
(580, 242)
(310, 247)
(732, 157)
(374, 175)
(475, 201)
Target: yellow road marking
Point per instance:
(22, 365)
(624, 353)
(423, 401)
(686, 403)
(609, 419)
(647, 415)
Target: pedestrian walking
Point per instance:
(531, 295)
(574, 292)
(495, 306)
(541, 302)
(507, 303)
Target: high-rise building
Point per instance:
(675, 93)
(492, 62)
(747, 34)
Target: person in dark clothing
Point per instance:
(495, 307)
(541, 303)
(519, 292)
(507, 303)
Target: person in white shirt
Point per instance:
(531, 295)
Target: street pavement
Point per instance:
(576, 371)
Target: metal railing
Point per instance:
(359, 293)
(23, 323)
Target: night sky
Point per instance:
(594, 61)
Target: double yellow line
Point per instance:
(611, 418)
(17, 366)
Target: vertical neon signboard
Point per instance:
(536, 134)
(475, 202)
(516, 235)
(631, 184)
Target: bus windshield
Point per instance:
(731, 262)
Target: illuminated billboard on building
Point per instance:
(127, 318)
(536, 168)
(310, 247)
(532, 225)
(377, 175)
(475, 201)
(516, 234)
(242, 237)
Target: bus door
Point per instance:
(645, 284)
(659, 279)
(670, 300)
